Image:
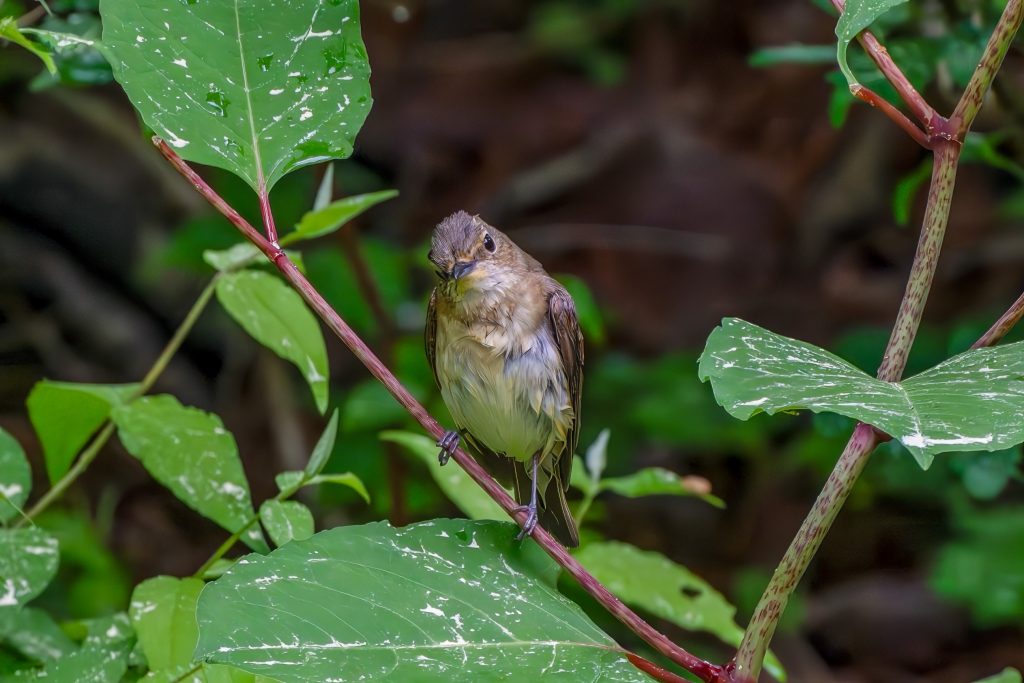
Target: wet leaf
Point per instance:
(189, 451)
(438, 601)
(259, 89)
(15, 477)
(971, 402)
(28, 562)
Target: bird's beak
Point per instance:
(462, 268)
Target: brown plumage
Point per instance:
(504, 344)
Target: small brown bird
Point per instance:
(505, 346)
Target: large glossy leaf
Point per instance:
(857, 15)
(276, 317)
(971, 402)
(28, 561)
(452, 479)
(189, 451)
(258, 89)
(65, 415)
(15, 477)
(439, 601)
(654, 583)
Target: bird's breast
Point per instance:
(505, 386)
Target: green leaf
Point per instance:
(257, 89)
(324, 447)
(452, 479)
(331, 217)
(971, 402)
(652, 481)
(15, 477)
(290, 482)
(275, 316)
(34, 634)
(87, 665)
(1007, 675)
(243, 254)
(857, 16)
(65, 415)
(163, 612)
(189, 451)
(792, 54)
(668, 590)
(438, 601)
(343, 479)
(286, 521)
(28, 561)
(9, 31)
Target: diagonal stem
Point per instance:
(706, 671)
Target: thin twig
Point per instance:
(901, 120)
(704, 670)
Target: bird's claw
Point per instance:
(448, 442)
(530, 523)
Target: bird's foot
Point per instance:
(530, 523)
(448, 442)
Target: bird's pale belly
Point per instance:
(516, 406)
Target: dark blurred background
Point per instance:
(632, 146)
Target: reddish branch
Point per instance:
(706, 671)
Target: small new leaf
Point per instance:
(324, 221)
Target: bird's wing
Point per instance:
(430, 336)
(565, 326)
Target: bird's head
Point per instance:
(470, 254)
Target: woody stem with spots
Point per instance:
(944, 137)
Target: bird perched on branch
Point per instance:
(504, 343)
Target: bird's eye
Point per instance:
(488, 242)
